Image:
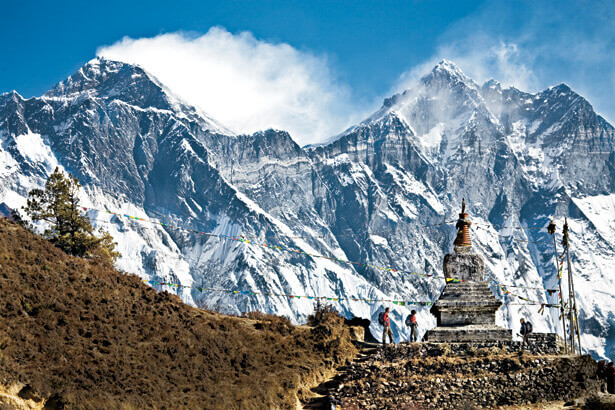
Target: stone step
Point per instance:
(471, 333)
(476, 295)
(472, 296)
(467, 292)
(468, 306)
(464, 286)
(469, 298)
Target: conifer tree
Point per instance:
(68, 228)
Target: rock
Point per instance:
(28, 393)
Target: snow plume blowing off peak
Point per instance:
(246, 83)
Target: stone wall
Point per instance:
(457, 376)
(538, 343)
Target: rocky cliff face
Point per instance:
(374, 195)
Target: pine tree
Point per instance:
(68, 228)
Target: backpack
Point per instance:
(381, 318)
(528, 327)
(408, 321)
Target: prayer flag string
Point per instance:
(252, 293)
(327, 298)
(531, 302)
(278, 247)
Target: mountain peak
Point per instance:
(101, 76)
(101, 68)
(493, 84)
(11, 96)
(561, 88)
(447, 65)
(449, 68)
(129, 83)
(447, 72)
(102, 65)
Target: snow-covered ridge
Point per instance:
(117, 81)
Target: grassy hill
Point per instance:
(78, 334)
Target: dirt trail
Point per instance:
(322, 398)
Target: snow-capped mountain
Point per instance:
(368, 196)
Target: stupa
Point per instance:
(465, 311)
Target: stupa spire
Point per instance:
(463, 243)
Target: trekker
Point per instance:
(526, 329)
(601, 374)
(385, 321)
(610, 378)
(411, 321)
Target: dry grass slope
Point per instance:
(78, 334)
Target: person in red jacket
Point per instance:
(386, 327)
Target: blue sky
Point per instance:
(323, 64)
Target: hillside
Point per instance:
(75, 333)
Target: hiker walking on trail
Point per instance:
(610, 378)
(385, 320)
(526, 329)
(411, 321)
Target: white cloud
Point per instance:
(245, 83)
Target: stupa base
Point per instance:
(468, 334)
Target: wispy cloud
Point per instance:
(245, 83)
(480, 58)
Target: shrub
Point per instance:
(273, 323)
(323, 313)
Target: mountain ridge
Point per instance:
(370, 196)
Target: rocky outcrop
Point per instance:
(20, 396)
